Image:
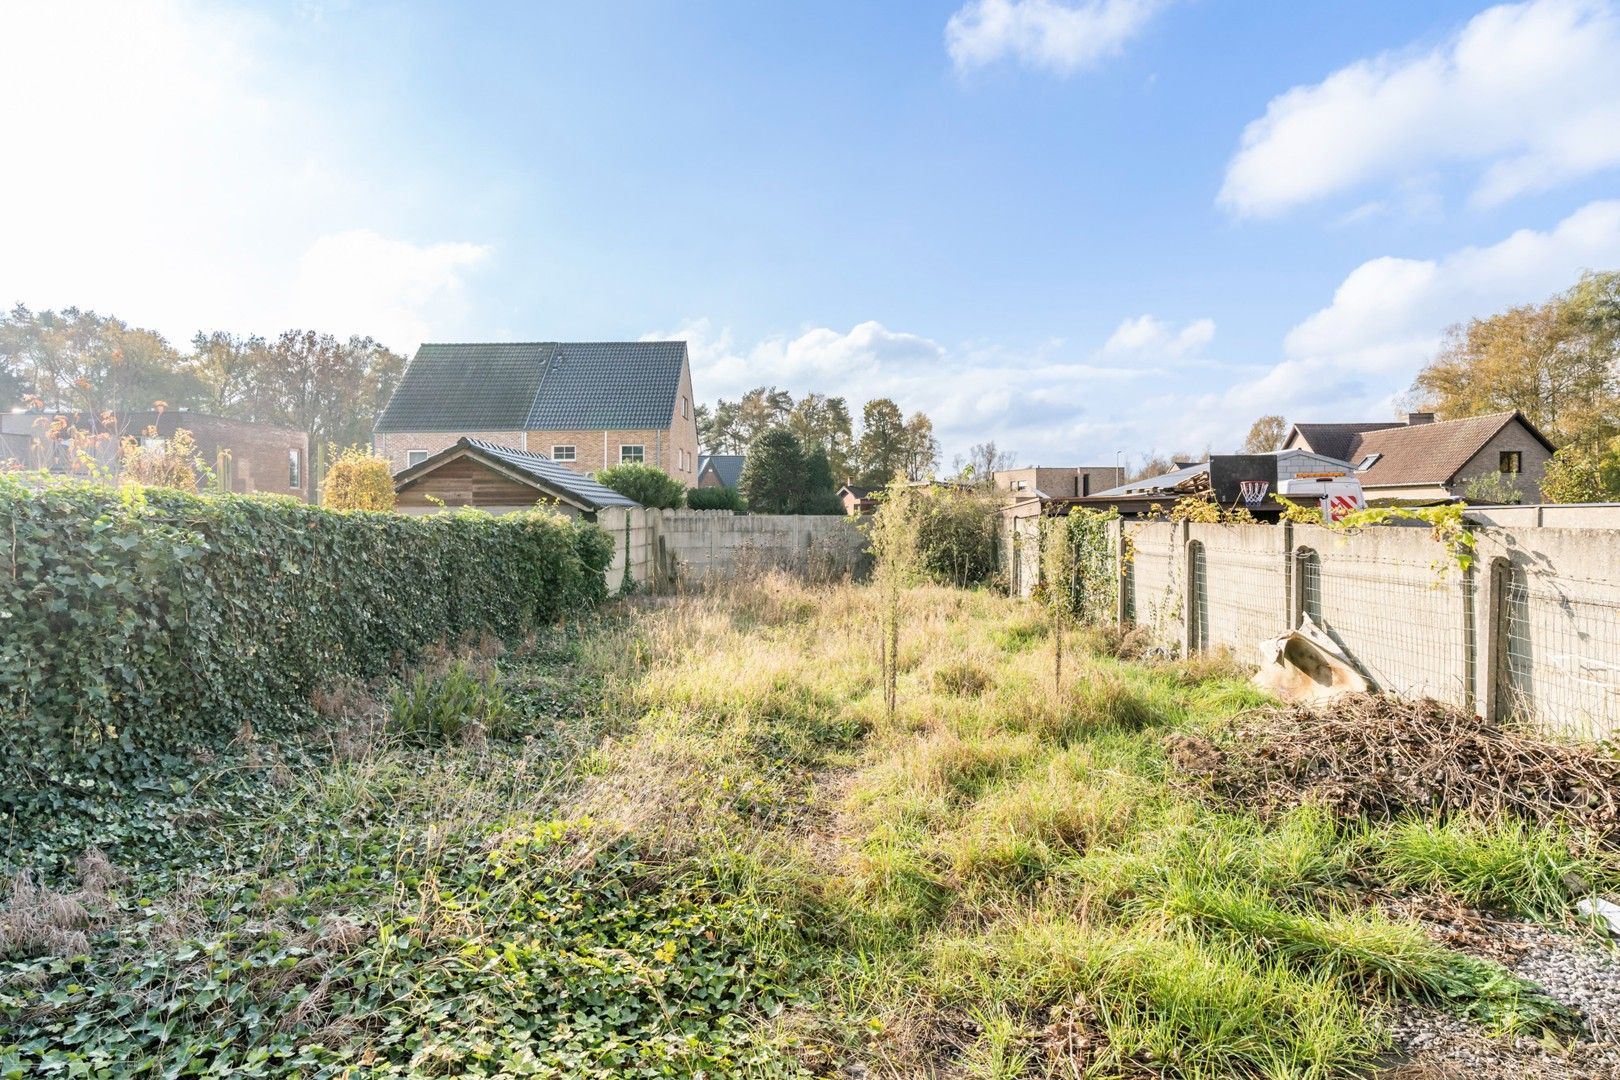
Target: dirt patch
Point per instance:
(1380, 757)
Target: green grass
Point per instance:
(1508, 865)
(696, 843)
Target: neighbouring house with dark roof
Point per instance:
(583, 405)
(857, 500)
(1422, 459)
(499, 479)
(720, 470)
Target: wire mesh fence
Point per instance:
(1558, 651)
(1531, 629)
(1155, 600)
(1241, 596)
(1408, 635)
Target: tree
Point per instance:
(358, 480)
(824, 422)
(703, 417)
(773, 478)
(821, 489)
(1157, 464)
(884, 449)
(715, 498)
(1584, 472)
(1557, 362)
(922, 449)
(329, 388)
(78, 362)
(782, 477)
(648, 485)
(734, 425)
(231, 371)
(1265, 435)
(984, 460)
(1493, 489)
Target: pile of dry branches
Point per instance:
(1368, 755)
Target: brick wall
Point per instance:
(593, 450)
(395, 445)
(1533, 461)
(258, 454)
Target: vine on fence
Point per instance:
(1080, 577)
(1447, 526)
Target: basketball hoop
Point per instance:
(1253, 491)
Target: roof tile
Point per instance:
(538, 386)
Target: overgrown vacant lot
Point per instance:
(688, 839)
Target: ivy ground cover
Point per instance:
(689, 838)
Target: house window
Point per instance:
(632, 454)
(415, 457)
(295, 469)
(683, 407)
(1510, 462)
(1368, 462)
(564, 453)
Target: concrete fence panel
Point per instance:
(667, 547)
(1530, 629)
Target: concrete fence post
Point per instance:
(1291, 600)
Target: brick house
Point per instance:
(1421, 459)
(246, 456)
(585, 405)
(720, 470)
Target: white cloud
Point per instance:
(358, 282)
(1526, 94)
(1060, 37)
(1049, 402)
(169, 169)
(1147, 335)
(1354, 357)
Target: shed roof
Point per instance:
(540, 385)
(546, 476)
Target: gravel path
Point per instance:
(1576, 971)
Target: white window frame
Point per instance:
(558, 454)
(295, 469)
(412, 460)
(641, 454)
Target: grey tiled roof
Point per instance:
(728, 467)
(1339, 440)
(541, 467)
(538, 386)
(548, 475)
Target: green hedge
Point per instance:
(136, 626)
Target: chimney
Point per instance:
(1413, 419)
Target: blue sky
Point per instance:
(1075, 227)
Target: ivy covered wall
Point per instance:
(136, 626)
